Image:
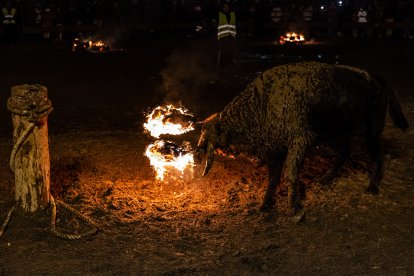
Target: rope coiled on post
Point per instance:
(35, 114)
(34, 118)
(19, 144)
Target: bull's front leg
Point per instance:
(294, 160)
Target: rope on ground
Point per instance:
(7, 220)
(74, 212)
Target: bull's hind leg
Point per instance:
(275, 165)
(344, 151)
(375, 152)
(293, 164)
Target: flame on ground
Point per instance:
(292, 37)
(169, 120)
(90, 45)
(165, 156)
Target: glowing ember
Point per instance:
(165, 156)
(292, 37)
(169, 120)
(89, 45)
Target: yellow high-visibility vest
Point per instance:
(8, 16)
(225, 28)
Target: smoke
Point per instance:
(188, 72)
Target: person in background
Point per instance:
(307, 17)
(9, 22)
(276, 16)
(37, 14)
(252, 19)
(48, 21)
(332, 19)
(307, 13)
(362, 16)
(226, 34)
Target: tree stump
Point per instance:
(30, 107)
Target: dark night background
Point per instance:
(195, 225)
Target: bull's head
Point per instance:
(209, 141)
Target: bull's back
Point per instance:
(330, 99)
(326, 99)
(349, 103)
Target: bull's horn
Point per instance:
(210, 158)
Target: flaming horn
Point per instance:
(171, 120)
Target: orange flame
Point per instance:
(160, 121)
(292, 37)
(90, 45)
(165, 156)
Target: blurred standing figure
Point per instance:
(9, 22)
(226, 34)
(48, 20)
(332, 19)
(307, 17)
(362, 15)
(38, 14)
(252, 19)
(362, 21)
(276, 16)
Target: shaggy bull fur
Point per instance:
(287, 108)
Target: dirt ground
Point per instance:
(195, 225)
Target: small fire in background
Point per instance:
(166, 156)
(89, 45)
(169, 119)
(292, 37)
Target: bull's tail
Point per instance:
(395, 111)
(394, 107)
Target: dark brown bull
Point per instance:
(287, 108)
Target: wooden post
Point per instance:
(30, 107)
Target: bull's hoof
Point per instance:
(266, 207)
(327, 178)
(294, 209)
(372, 190)
(299, 216)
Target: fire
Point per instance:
(90, 45)
(165, 155)
(292, 37)
(169, 120)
